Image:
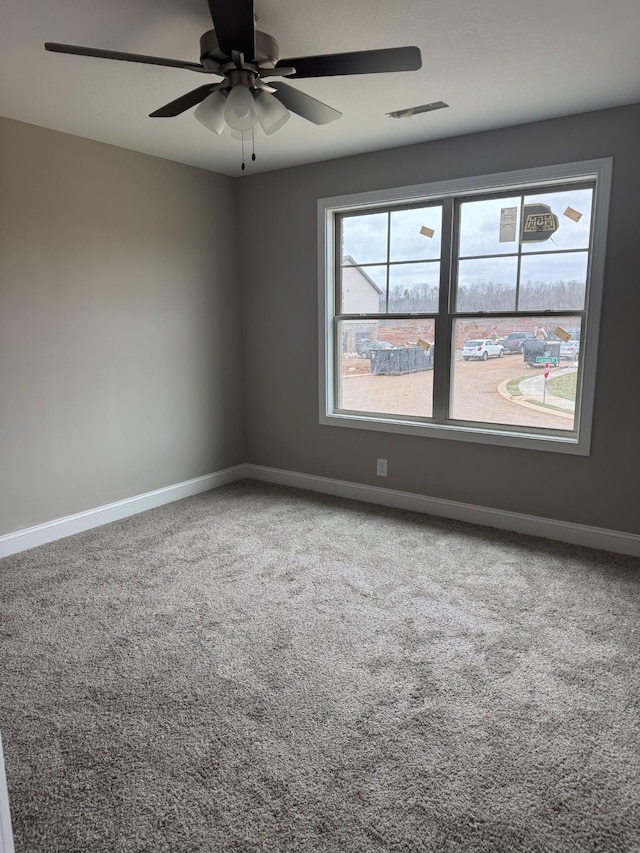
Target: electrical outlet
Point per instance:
(381, 469)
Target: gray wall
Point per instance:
(121, 328)
(120, 363)
(279, 271)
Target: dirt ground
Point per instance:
(475, 393)
(356, 366)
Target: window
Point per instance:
(466, 309)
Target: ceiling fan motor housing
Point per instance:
(267, 51)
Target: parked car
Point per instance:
(538, 353)
(570, 349)
(514, 342)
(484, 349)
(367, 347)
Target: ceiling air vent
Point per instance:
(422, 108)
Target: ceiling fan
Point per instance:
(243, 56)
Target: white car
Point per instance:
(483, 349)
(570, 349)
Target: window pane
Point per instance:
(480, 226)
(364, 238)
(414, 287)
(553, 282)
(573, 209)
(363, 289)
(386, 367)
(498, 377)
(415, 234)
(487, 284)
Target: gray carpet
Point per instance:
(263, 669)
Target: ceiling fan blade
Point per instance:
(304, 105)
(127, 57)
(184, 102)
(359, 62)
(234, 25)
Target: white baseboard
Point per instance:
(12, 543)
(6, 835)
(562, 531)
(531, 525)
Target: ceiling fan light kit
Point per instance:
(242, 110)
(239, 110)
(247, 135)
(210, 112)
(272, 114)
(243, 57)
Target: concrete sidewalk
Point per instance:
(534, 387)
(531, 390)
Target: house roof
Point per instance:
(347, 260)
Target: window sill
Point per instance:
(503, 437)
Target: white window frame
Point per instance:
(579, 442)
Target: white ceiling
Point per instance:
(496, 62)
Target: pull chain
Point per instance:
(253, 146)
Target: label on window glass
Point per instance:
(538, 223)
(562, 334)
(573, 214)
(508, 219)
(428, 232)
(424, 344)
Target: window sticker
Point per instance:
(508, 219)
(573, 214)
(562, 334)
(539, 223)
(428, 232)
(424, 344)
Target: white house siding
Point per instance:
(359, 294)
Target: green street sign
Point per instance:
(546, 359)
